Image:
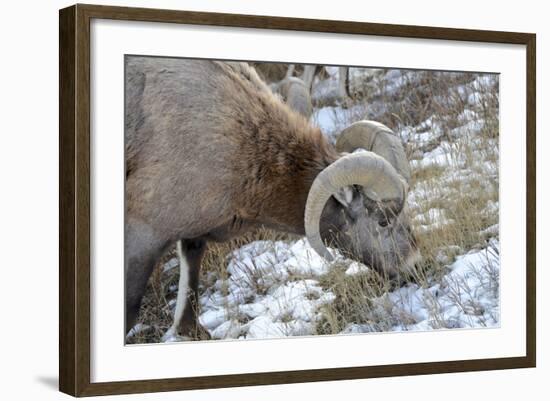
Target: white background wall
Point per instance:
(28, 200)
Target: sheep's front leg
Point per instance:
(186, 325)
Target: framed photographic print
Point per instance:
(250, 200)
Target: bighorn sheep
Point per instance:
(276, 76)
(310, 71)
(212, 153)
(295, 94)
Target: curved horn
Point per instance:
(379, 180)
(376, 137)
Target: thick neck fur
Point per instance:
(279, 157)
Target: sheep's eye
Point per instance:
(383, 223)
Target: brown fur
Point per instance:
(260, 156)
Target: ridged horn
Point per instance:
(377, 138)
(380, 182)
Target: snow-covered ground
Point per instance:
(273, 290)
(467, 297)
(264, 298)
(279, 288)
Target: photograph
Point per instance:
(269, 200)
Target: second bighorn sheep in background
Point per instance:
(295, 94)
(212, 152)
(308, 76)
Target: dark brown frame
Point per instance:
(74, 199)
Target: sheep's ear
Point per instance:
(344, 196)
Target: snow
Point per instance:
(324, 118)
(212, 318)
(432, 219)
(470, 127)
(356, 268)
(333, 119)
(445, 154)
(272, 287)
(491, 230)
(170, 265)
(491, 207)
(137, 329)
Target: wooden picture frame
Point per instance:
(74, 199)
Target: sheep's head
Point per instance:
(356, 204)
